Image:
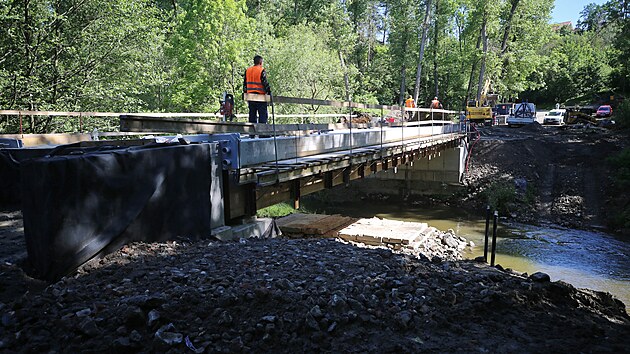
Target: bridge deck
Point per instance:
(299, 167)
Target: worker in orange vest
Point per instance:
(410, 103)
(256, 82)
(435, 103)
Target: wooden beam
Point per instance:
(133, 123)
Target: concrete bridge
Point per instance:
(90, 197)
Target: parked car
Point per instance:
(555, 116)
(604, 111)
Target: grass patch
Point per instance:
(276, 211)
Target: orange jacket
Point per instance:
(253, 80)
(409, 103)
(435, 104)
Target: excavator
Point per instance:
(480, 111)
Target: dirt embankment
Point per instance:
(559, 175)
(302, 296)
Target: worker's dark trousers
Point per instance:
(261, 109)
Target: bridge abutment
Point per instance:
(438, 174)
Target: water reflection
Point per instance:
(586, 259)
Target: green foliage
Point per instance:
(302, 65)
(208, 44)
(180, 55)
(276, 211)
(621, 165)
(500, 195)
(622, 114)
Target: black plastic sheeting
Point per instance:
(9, 179)
(80, 203)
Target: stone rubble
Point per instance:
(303, 295)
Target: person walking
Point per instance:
(256, 82)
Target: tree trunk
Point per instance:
(425, 30)
(472, 73)
(508, 26)
(482, 71)
(346, 80)
(384, 24)
(403, 74)
(435, 49)
(506, 34)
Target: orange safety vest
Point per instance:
(409, 103)
(435, 104)
(253, 79)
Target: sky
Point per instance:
(569, 10)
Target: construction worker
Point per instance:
(410, 103)
(256, 82)
(435, 104)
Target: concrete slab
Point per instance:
(223, 233)
(378, 231)
(255, 229)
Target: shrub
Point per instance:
(622, 114)
(620, 218)
(500, 195)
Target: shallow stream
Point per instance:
(586, 259)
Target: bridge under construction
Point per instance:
(201, 177)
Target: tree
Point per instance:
(423, 41)
(208, 43)
(74, 54)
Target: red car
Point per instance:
(604, 111)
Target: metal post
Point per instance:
(296, 193)
(21, 127)
(80, 122)
(485, 243)
(350, 121)
(494, 237)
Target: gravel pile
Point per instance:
(282, 295)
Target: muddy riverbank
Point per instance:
(537, 174)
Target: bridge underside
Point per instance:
(251, 188)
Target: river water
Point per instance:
(585, 259)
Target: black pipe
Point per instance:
(485, 242)
(494, 237)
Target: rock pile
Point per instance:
(281, 295)
(413, 238)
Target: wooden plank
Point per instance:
(30, 140)
(314, 224)
(54, 113)
(143, 123)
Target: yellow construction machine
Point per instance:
(480, 111)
